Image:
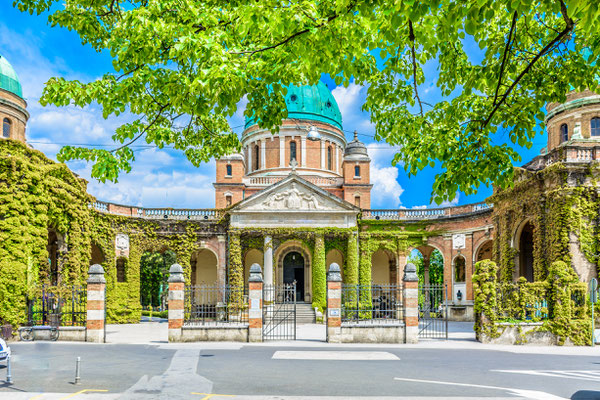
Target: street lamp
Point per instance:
(313, 134)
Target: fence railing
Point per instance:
(214, 305)
(58, 306)
(372, 304)
(425, 213)
(205, 214)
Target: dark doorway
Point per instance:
(293, 270)
(526, 252)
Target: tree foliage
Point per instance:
(154, 272)
(436, 267)
(182, 66)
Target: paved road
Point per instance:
(46, 371)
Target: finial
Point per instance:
(355, 135)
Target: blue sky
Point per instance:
(165, 178)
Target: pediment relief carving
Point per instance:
(293, 197)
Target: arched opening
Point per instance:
(6, 128)
(154, 272)
(96, 254)
(53, 256)
(484, 252)
(121, 269)
(292, 151)
(329, 158)
(204, 266)
(526, 252)
(335, 256)
(564, 133)
(252, 256)
(460, 269)
(382, 267)
(430, 265)
(293, 271)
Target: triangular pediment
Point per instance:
(294, 194)
(294, 201)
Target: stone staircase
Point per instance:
(305, 314)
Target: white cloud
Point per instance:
(386, 190)
(348, 98)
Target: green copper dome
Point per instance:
(315, 103)
(9, 80)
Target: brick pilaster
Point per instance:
(411, 304)
(255, 297)
(96, 301)
(176, 293)
(334, 304)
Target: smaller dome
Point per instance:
(9, 80)
(356, 149)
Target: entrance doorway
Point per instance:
(293, 270)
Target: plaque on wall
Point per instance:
(122, 245)
(458, 241)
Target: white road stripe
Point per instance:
(580, 375)
(530, 394)
(335, 355)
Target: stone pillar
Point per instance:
(255, 312)
(319, 273)
(281, 151)
(176, 289)
(268, 260)
(303, 150)
(425, 269)
(222, 261)
(351, 274)
(411, 304)
(334, 304)
(96, 303)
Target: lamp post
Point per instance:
(313, 134)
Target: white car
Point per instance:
(4, 350)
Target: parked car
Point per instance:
(4, 350)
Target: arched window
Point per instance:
(459, 269)
(329, 158)
(229, 170)
(121, 275)
(228, 200)
(357, 201)
(292, 151)
(256, 157)
(356, 171)
(564, 133)
(595, 126)
(6, 128)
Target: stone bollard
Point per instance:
(411, 304)
(96, 301)
(334, 304)
(255, 313)
(176, 288)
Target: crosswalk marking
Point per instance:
(584, 375)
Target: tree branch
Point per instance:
(411, 37)
(143, 131)
(505, 55)
(568, 28)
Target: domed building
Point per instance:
(310, 141)
(13, 107)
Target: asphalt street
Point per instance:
(46, 371)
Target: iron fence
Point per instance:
(58, 306)
(214, 305)
(433, 311)
(372, 304)
(279, 312)
(522, 301)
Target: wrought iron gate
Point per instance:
(433, 312)
(279, 312)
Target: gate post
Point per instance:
(176, 291)
(255, 308)
(334, 304)
(411, 304)
(96, 300)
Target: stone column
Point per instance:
(268, 260)
(281, 151)
(425, 269)
(334, 304)
(96, 302)
(411, 304)
(176, 293)
(222, 261)
(351, 273)
(255, 312)
(319, 273)
(303, 147)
